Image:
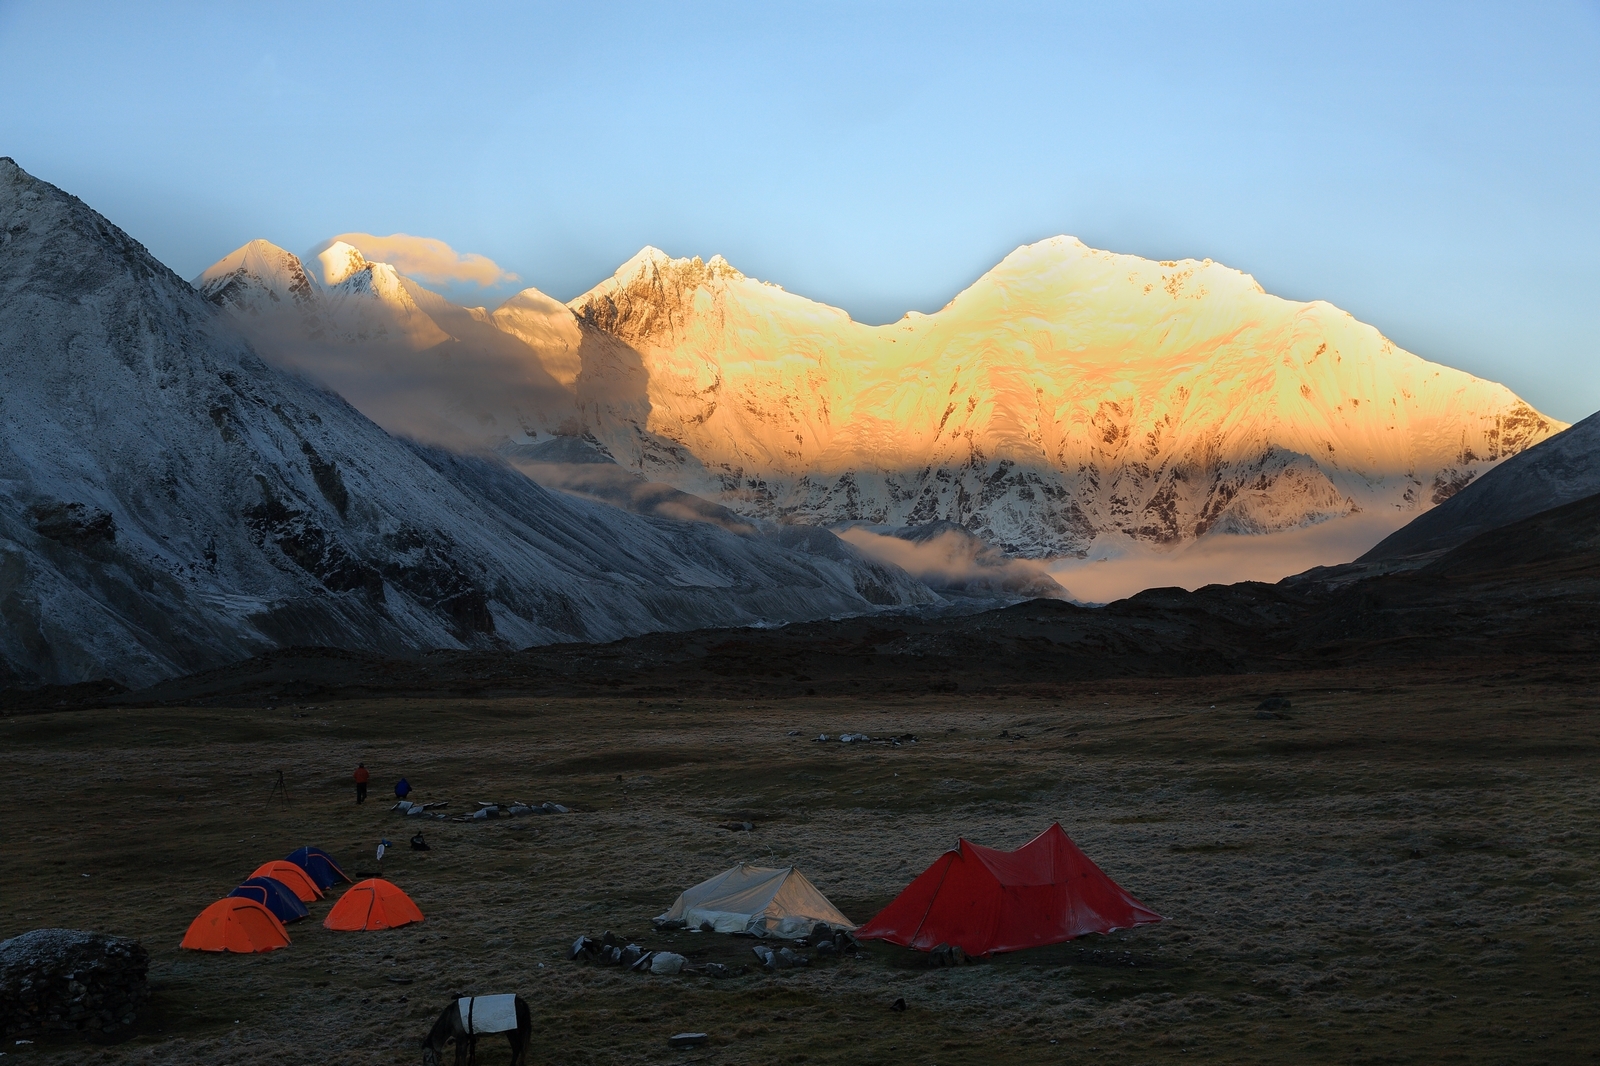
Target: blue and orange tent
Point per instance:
(319, 866)
(274, 895)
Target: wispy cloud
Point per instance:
(1121, 568)
(955, 561)
(427, 259)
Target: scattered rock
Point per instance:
(863, 738)
(686, 1040)
(720, 972)
(898, 1005)
(788, 958)
(738, 827)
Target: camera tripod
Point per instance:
(279, 789)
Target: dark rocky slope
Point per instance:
(1556, 471)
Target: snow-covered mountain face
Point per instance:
(1068, 395)
(406, 357)
(169, 502)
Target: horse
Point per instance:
(452, 1026)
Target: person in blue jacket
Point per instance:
(402, 789)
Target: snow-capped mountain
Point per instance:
(405, 356)
(1068, 396)
(169, 502)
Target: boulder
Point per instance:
(667, 962)
(71, 981)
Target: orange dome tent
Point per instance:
(235, 924)
(372, 904)
(291, 875)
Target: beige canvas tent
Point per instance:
(755, 900)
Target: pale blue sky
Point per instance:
(1433, 169)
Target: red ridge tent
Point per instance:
(982, 900)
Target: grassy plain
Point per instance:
(1403, 870)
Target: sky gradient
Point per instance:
(1430, 168)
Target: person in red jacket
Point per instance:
(362, 777)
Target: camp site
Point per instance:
(1124, 873)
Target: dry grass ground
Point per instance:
(1405, 870)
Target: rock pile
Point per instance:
(483, 812)
(863, 738)
(67, 980)
(607, 952)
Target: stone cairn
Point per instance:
(67, 980)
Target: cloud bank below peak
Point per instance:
(427, 259)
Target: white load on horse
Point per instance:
(488, 1014)
(470, 1017)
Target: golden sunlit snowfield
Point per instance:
(1402, 870)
